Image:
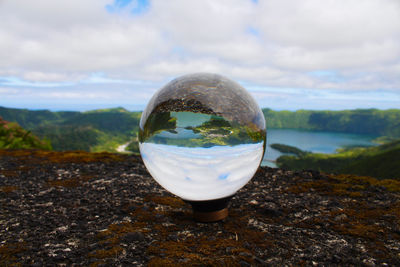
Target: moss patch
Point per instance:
(344, 185)
(8, 188)
(106, 253)
(9, 253)
(200, 251)
(42, 156)
(9, 173)
(172, 202)
(71, 182)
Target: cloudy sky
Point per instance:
(311, 54)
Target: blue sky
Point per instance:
(312, 54)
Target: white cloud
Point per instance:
(315, 24)
(8, 91)
(39, 76)
(275, 43)
(74, 95)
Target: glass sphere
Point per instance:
(202, 137)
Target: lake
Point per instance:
(317, 142)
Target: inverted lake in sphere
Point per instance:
(312, 141)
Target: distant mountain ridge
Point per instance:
(30, 119)
(358, 121)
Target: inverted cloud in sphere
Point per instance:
(196, 173)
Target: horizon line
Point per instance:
(141, 110)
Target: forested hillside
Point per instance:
(30, 119)
(359, 121)
(98, 130)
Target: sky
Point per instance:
(289, 54)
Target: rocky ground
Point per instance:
(77, 208)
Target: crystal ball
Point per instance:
(202, 137)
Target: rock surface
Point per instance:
(77, 208)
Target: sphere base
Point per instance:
(212, 216)
(210, 210)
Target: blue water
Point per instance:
(317, 142)
(180, 133)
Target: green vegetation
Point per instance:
(359, 121)
(68, 137)
(133, 147)
(13, 136)
(98, 130)
(30, 119)
(288, 119)
(116, 121)
(381, 161)
(289, 149)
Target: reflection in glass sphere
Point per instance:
(202, 137)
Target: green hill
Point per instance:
(116, 121)
(97, 130)
(68, 137)
(30, 119)
(13, 136)
(358, 121)
(382, 162)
